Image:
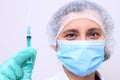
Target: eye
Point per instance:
(70, 36)
(94, 35)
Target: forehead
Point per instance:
(81, 24)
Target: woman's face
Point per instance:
(82, 29)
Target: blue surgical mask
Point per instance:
(81, 57)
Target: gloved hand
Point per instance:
(16, 67)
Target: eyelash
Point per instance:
(70, 36)
(90, 35)
(94, 35)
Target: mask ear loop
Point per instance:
(106, 56)
(56, 47)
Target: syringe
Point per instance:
(28, 37)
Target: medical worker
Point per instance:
(81, 34)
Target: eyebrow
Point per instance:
(76, 31)
(95, 29)
(70, 30)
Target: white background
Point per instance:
(13, 24)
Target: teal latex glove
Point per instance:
(16, 67)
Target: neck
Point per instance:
(72, 76)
